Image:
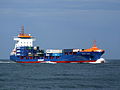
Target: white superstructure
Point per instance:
(24, 39)
(21, 42)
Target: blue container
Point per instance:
(47, 54)
(24, 54)
(34, 51)
(21, 54)
(22, 47)
(22, 51)
(56, 54)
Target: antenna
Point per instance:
(94, 43)
(22, 30)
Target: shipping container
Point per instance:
(42, 51)
(30, 54)
(18, 50)
(76, 50)
(48, 54)
(56, 54)
(19, 54)
(22, 52)
(23, 47)
(35, 54)
(30, 50)
(81, 50)
(29, 47)
(53, 51)
(67, 50)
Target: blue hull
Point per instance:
(79, 57)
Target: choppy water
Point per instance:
(16, 76)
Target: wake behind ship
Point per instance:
(25, 52)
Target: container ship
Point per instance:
(25, 52)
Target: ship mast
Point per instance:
(94, 44)
(22, 30)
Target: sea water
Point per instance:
(67, 76)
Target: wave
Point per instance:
(6, 61)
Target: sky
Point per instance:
(59, 24)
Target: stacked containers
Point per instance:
(54, 52)
(21, 51)
(40, 52)
(36, 52)
(67, 50)
(76, 50)
(30, 51)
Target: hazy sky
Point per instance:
(62, 24)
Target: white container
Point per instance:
(29, 53)
(18, 51)
(53, 51)
(47, 54)
(80, 50)
(18, 54)
(76, 50)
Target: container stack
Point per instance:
(29, 51)
(76, 50)
(21, 51)
(67, 50)
(54, 52)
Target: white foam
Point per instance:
(101, 60)
(7, 62)
(49, 62)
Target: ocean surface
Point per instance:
(17, 76)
